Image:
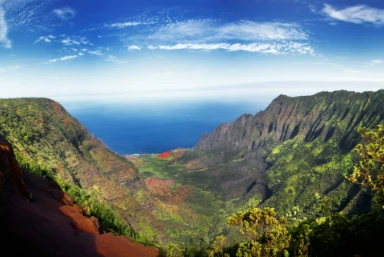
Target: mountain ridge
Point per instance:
(291, 156)
(265, 121)
(272, 140)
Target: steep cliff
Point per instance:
(322, 115)
(48, 141)
(294, 154)
(41, 220)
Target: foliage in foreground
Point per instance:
(333, 235)
(266, 235)
(369, 172)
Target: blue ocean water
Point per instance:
(135, 129)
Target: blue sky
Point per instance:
(165, 51)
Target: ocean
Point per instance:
(138, 129)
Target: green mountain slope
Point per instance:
(294, 153)
(47, 139)
(293, 156)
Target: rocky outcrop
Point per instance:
(52, 224)
(323, 115)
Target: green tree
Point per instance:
(303, 241)
(370, 170)
(173, 250)
(218, 248)
(266, 236)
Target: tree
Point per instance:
(218, 246)
(304, 241)
(266, 236)
(370, 170)
(173, 250)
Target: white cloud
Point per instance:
(209, 31)
(65, 13)
(96, 52)
(64, 58)
(69, 42)
(249, 30)
(69, 57)
(81, 54)
(4, 41)
(374, 63)
(264, 48)
(121, 25)
(134, 48)
(75, 40)
(204, 34)
(356, 14)
(46, 39)
(26, 15)
(114, 59)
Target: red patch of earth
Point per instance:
(159, 186)
(51, 228)
(164, 155)
(162, 188)
(51, 224)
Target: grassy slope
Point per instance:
(198, 215)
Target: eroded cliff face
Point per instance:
(38, 219)
(294, 153)
(46, 138)
(322, 115)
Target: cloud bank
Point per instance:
(209, 30)
(264, 48)
(358, 14)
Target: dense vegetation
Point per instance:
(48, 141)
(286, 165)
(334, 234)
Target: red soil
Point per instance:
(51, 225)
(159, 186)
(164, 155)
(162, 189)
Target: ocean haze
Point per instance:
(138, 129)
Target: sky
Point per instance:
(177, 51)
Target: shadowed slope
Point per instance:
(50, 224)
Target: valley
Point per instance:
(293, 157)
(211, 128)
